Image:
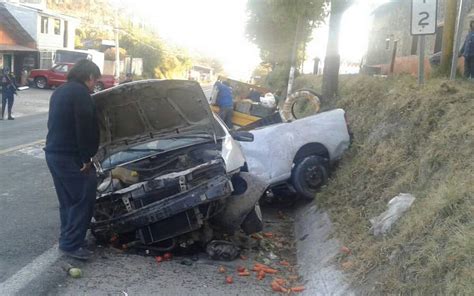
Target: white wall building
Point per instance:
(50, 30)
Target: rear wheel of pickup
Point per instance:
(309, 174)
(41, 82)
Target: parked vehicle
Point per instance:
(298, 154)
(170, 172)
(56, 76)
(68, 56)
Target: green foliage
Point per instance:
(139, 43)
(272, 27)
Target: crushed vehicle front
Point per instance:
(165, 163)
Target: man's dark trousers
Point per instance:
(469, 67)
(76, 195)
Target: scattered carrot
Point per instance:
(260, 266)
(345, 250)
(245, 273)
(222, 269)
(167, 256)
(277, 287)
(261, 275)
(270, 270)
(229, 279)
(267, 234)
(280, 281)
(159, 259)
(297, 289)
(241, 269)
(284, 263)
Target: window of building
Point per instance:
(57, 27)
(46, 59)
(414, 45)
(44, 25)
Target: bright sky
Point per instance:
(217, 28)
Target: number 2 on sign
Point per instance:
(423, 21)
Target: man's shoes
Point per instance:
(10, 118)
(81, 254)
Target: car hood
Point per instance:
(142, 111)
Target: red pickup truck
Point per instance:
(45, 78)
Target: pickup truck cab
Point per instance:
(56, 76)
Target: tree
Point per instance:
(272, 25)
(333, 59)
(448, 36)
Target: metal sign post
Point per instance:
(424, 17)
(457, 38)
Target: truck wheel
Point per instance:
(41, 82)
(253, 223)
(309, 175)
(98, 87)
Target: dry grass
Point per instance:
(419, 141)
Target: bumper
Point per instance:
(163, 210)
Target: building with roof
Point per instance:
(30, 34)
(391, 28)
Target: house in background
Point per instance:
(17, 46)
(47, 30)
(391, 27)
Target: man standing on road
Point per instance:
(8, 92)
(225, 102)
(72, 140)
(467, 51)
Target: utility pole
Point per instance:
(294, 51)
(457, 38)
(448, 35)
(117, 48)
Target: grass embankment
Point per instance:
(412, 140)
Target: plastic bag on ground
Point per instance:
(398, 205)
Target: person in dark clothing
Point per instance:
(467, 51)
(8, 92)
(254, 95)
(71, 142)
(225, 102)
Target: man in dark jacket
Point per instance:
(225, 102)
(467, 51)
(72, 141)
(8, 92)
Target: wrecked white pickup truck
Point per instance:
(298, 154)
(170, 173)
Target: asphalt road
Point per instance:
(29, 260)
(29, 209)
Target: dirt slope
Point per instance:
(412, 140)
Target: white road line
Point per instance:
(28, 273)
(15, 148)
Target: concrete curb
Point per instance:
(315, 251)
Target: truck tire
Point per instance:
(41, 82)
(287, 112)
(253, 223)
(309, 174)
